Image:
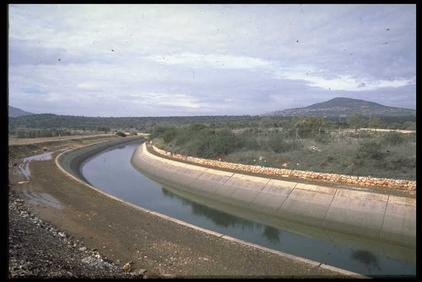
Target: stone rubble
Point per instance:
(365, 181)
(38, 249)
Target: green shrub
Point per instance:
(278, 144)
(169, 135)
(393, 138)
(309, 126)
(323, 138)
(196, 127)
(202, 141)
(248, 141)
(370, 150)
(158, 131)
(409, 125)
(213, 144)
(400, 162)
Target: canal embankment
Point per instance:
(381, 185)
(71, 160)
(379, 216)
(162, 246)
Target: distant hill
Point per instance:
(341, 107)
(16, 112)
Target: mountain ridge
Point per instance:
(342, 107)
(16, 112)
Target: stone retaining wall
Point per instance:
(270, 171)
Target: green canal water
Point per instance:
(112, 172)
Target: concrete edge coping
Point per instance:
(402, 200)
(289, 171)
(253, 178)
(353, 194)
(323, 191)
(207, 231)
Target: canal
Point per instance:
(112, 172)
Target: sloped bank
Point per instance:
(72, 160)
(226, 246)
(363, 181)
(378, 216)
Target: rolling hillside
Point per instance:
(16, 112)
(342, 107)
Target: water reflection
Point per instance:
(217, 217)
(328, 252)
(112, 172)
(367, 258)
(272, 234)
(223, 219)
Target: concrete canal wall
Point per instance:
(72, 160)
(363, 181)
(380, 216)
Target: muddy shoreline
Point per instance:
(56, 253)
(123, 234)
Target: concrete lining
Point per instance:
(375, 215)
(363, 210)
(273, 195)
(399, 220)
(78, 155)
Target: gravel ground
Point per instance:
(62, 240)
(37, 249)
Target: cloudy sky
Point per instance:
(161, 60)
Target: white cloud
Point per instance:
(165, 99)
(178, 61)
(340, 82)
(210, 60)
(88, 85)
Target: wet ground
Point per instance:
(123, 234)
(37, 249)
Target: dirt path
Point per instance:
(125, 234)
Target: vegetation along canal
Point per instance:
(112, 172)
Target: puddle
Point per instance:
(43, 199)
(41, 157)
(24, 167)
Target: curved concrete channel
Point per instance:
(186, 181)
(70, 161)
(377, 216)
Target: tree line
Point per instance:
(147, 124)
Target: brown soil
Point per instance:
(124, 234)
